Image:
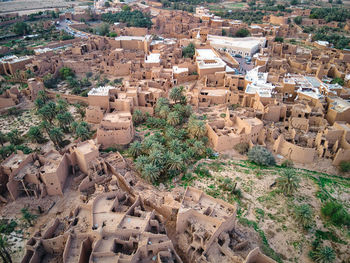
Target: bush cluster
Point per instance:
(261, 156)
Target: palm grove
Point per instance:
(175, 141)
(56, 122)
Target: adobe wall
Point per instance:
(224, 142)
(111, 137)
(6, 102)
(100, 101)
(294, 152)
(255, 256)
(70, 98)
(341, 155)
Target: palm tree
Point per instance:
(138, 117)
(14, 137)
(288, 182)
(62, 106)
(74, 126)
(196, 128)
(323, 255)
(56, 135)
(39, 103)
(151, 172)
(147, 143)
(303, 215)
(3, 138)
(135, 149)
(48, 112)
(176, 93)
(173, 118)
(64, 120)
(42, 96)
(199, 147)
(82, 131)
(160, 103)
(140, 162)
(163, 112)
(46, 126)
(175, 146)
(175, 162)
(156, 157)
(35, 134)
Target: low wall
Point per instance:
(294, 152)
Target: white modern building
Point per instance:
(246, 47)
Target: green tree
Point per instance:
(82, 131)
(135, 149)
(48, 112)
(261, 156)
(14, 137)
(303, 215)
(188, 51)
(323, 255)
(21, 28)
(151, 172)
(42, 95)
(196, 128)
(243, 32)
(64, 120)
(27, 216)
(298, 20)
(176, 93)
(56, 135)
(164, 112)
(103, 29)
(3, 138)
(160, 103)
(66, 72)
(279, 39)
(35, 135)
(288, 182)
(138, 117)
(175, 162)
(140, 162)
(294, 2)
(173, 118)
(62, 106)
(107, 4)
(335, 213)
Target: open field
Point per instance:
(28, 6)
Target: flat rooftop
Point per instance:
(117, 116)
(100, 91)
(246, 42)
(153, 58)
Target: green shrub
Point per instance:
(287, 163)
(344, 166)
(335, 213)
(323, 255)
(261, 156)
(303, 215)
(242, 147)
